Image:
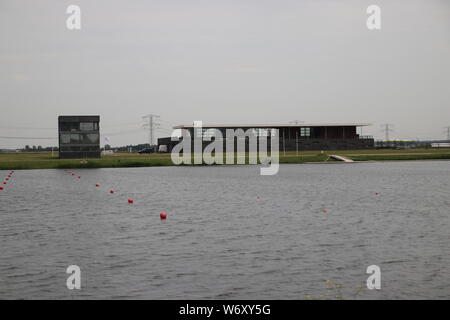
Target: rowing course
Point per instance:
(231, 233)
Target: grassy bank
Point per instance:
(16, 161)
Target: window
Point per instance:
(69, 126)
(91, 138)
(86, 126)
(305, 132)
(206, 134)
(70, 149)
(65, 138)
(261, 132)
(75, 138)
(89, 149)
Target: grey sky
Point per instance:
(223, 62)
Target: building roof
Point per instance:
(78, 118)
(276, 125)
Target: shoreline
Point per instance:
(30, 161)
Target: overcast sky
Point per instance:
(223, 61)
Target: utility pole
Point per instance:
(387, 128)
(151, 125)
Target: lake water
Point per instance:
(230, 233)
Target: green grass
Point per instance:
(10, 161)
(404, 157)
(46, 161)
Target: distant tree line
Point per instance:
(38, 149)
(128, 148)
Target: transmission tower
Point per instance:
(447, 129)
(151, 125)
(387, 128)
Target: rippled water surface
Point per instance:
(230, 233)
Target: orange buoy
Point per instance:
(163, 215)
(130, 200)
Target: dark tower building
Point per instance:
(79, 137)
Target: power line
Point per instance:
(151, 125)
(25, 138)
(123, 132)
(56, 129)
(120, 125)
(27, 128)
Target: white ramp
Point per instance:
(341, 158)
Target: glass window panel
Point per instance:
(208, 134)
(86, 126)
(305, 132)
(69, 126)
(261, 132)
(65, 138)
(91, 138)
(75, 138)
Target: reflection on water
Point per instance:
(230, 233)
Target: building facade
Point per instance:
(292, 137)
(79, 137)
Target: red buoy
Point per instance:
(1, 188)
(111, 191)
(4, 182)
(97, 185)
(130, 200)
(7, 179)
(163, 215)
(325, 211)
(79, 177)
